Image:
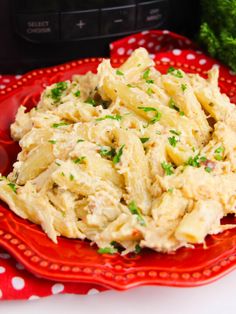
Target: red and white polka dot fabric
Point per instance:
(163, 46)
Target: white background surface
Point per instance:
(216, 298)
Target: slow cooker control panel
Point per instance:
(54, 22)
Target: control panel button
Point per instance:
(38, 28)
(76, 25)
(152, 13)
(118, 20)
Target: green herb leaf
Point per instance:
(135, 211)
(118, 72)
(118, 155)
(90, 101)
(175, 72)
(71, 177)
(183, 87)
(172, 104)
(146, 74)
(129, 85)
(150, 81)
(56, 92)
(196, 160)
(181, 113)
(57, 125)
(115, 117)
(219, 153)
(144, 139)
(170, 190)
(107, 250)
(105, 152)
(147, 109)
(168, 168)
(208, 169)
(57, 163)
(178, 133)
(149, 91)
(156, 118)
(52, 141)
(77, 94)
(80, 140)
(137, 249)
(12, 186)
(79, 160)
(62, 174)
(172, 140)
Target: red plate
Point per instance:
(77, 261)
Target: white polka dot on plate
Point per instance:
(150, 45)
(18, 283)
(202, 61)
(165, 31)
(145, 32)
(93, 291)
(57, 288)
(18, 77)
(199, 52)
(2, 86)
(141, 42)
(129, 52)
(4, 255)
(2, 269)
(151, 55)
(158, 47)
(190, 56)
(121, 51)
(0, 293)
(176, 52)
(6, 81)
(165, 59)
(232, 72)
(34, 297)
(131, 40)
(111, 46)
(19, 266)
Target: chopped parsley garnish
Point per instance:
(62, 174)
(77, 94)
(183, 87)
(118, 72)
(144, 139)
(172, 105)
(118, 155)
(3, 178)
(147, 109)
(170, 190)
(175, 72)
(196, 160)
(172, 140)
(208, 169)
(115, 117)
(57, 163)
(107, 250)
(80, 140)
(135, 211)
(219, 153)
(52, 141)
(137, 249)
(105, 152)
(181, 113)
(71, 177)
(150, 81)
(146, 74)
(149, 91)
(57, 125)
(158, 132)
(156, 118)
(168, 168)
(90, 101)
(12, 186)
(178, 133)
(56, 92)
(129, 85)
(79, 160)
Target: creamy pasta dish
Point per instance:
(127, 158)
